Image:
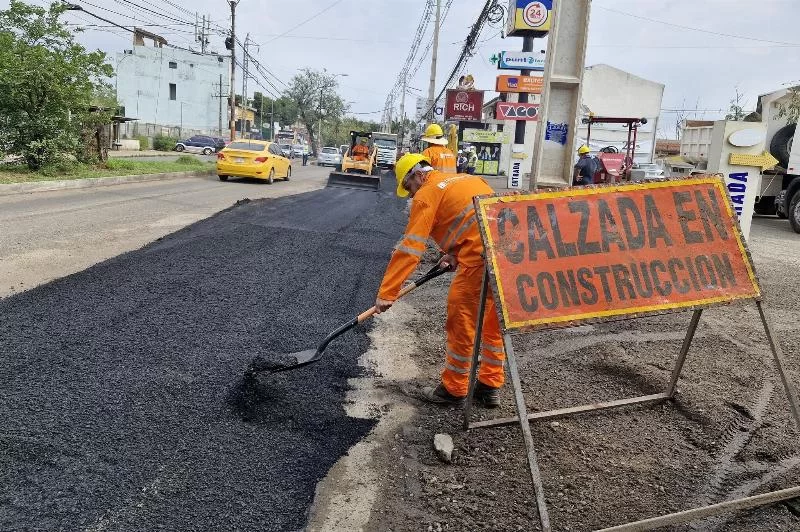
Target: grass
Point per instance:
(114, 167)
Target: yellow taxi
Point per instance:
(253, 158)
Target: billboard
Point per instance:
(529, 18)
(422, 107)
(529, 84)
(582, 255)
(517, 111)
(521, 61)
(463, 105)
(485, 136)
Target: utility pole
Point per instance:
(261, 114)
(231, 45)
(245, 73)
(272, 121)
(519, 132)
(220, 96)
(402, 112)
(434, 55)
(201, 34)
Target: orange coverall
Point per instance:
(443, 211)
(441, 158)
(360, 152)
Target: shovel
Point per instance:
(303, 358)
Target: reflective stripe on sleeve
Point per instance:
(468, 224)
(410, 251)
(415, 238)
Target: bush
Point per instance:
(61, 168)
(144, 142)
(189, 160)
(121, 164)
(164, 143)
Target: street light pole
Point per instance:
(233, 4)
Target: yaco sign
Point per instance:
(521, 61)
(517, 111)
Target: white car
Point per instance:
(329, 156)
(642, 171)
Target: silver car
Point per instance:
(329, 156)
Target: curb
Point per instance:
(92, 182)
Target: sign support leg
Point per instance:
(777, 355)
(687, 341)
(476, 348)
(522, 413)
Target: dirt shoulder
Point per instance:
(728, 434)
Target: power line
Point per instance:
(312, 17)
(693, 29)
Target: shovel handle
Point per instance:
(434, 272)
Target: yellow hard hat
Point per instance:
(403, 166)
(583, 149)
(433, 130)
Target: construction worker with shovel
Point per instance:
(438, 154)
(442, 210)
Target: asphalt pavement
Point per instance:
(116, 379)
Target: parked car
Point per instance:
(343, 149)
(253, 158)
(200, 144)
(642, 171)
(286, 150)
(297, 150)
(329, 156)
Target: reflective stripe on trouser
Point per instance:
(462, 312)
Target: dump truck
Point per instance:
(386, 146)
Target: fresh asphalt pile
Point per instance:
(116, 381)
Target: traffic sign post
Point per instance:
(560, 259)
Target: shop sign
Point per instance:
(529, 18)
(517, 111)
(463, 105)
(529, 84)
(521, 61)
(484, 136)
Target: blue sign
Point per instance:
(521, 61)
(556, 132)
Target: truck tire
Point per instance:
(794, 212)
(781, 144)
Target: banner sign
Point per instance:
(529, 18)
(562, 258)
(484, 136)
(517, 111)
(463, 105)
(521, 61)
(529, 84)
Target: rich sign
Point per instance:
(593, 254)
(463, 105)
(517, 111)
(529, 84)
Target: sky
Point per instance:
(701, 50)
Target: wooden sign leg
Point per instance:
(687, 341)
(777, 355)
(522, 413)
(476, 349)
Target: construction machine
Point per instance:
(358, 164)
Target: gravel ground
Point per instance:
(728, 434)
(115, 379)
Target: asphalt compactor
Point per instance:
(358, 168)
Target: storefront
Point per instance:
(488, 146)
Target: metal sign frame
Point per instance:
(524, 419)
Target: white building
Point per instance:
(172, 91)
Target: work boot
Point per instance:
(488, 396)
(440, 396)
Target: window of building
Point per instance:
(173, 91)
(173, 64)
(500, 128)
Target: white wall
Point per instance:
(143, 87)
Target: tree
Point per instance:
(791, 110)
(48, 84)
(338, 132)
(736, 110)
(313, 94)
(285, 110)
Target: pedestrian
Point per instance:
(472, 160)
(443, 211)
(461, 162)
(305, 155)
(437, 152)
(583, 174)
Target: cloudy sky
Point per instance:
(702, 50)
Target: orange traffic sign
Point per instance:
(529, 84)
(561, 258)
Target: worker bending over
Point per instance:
(440, 157)
(361, 151)
(442, 210)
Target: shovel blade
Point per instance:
(357, 181)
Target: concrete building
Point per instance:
(172, 91)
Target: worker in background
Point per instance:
(583, 174)
(439, 155)
(442, 210)
(305, 155)
(361, 151)
(472, 160)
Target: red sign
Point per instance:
(517, 111)
(602, 253)
(463, 105)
